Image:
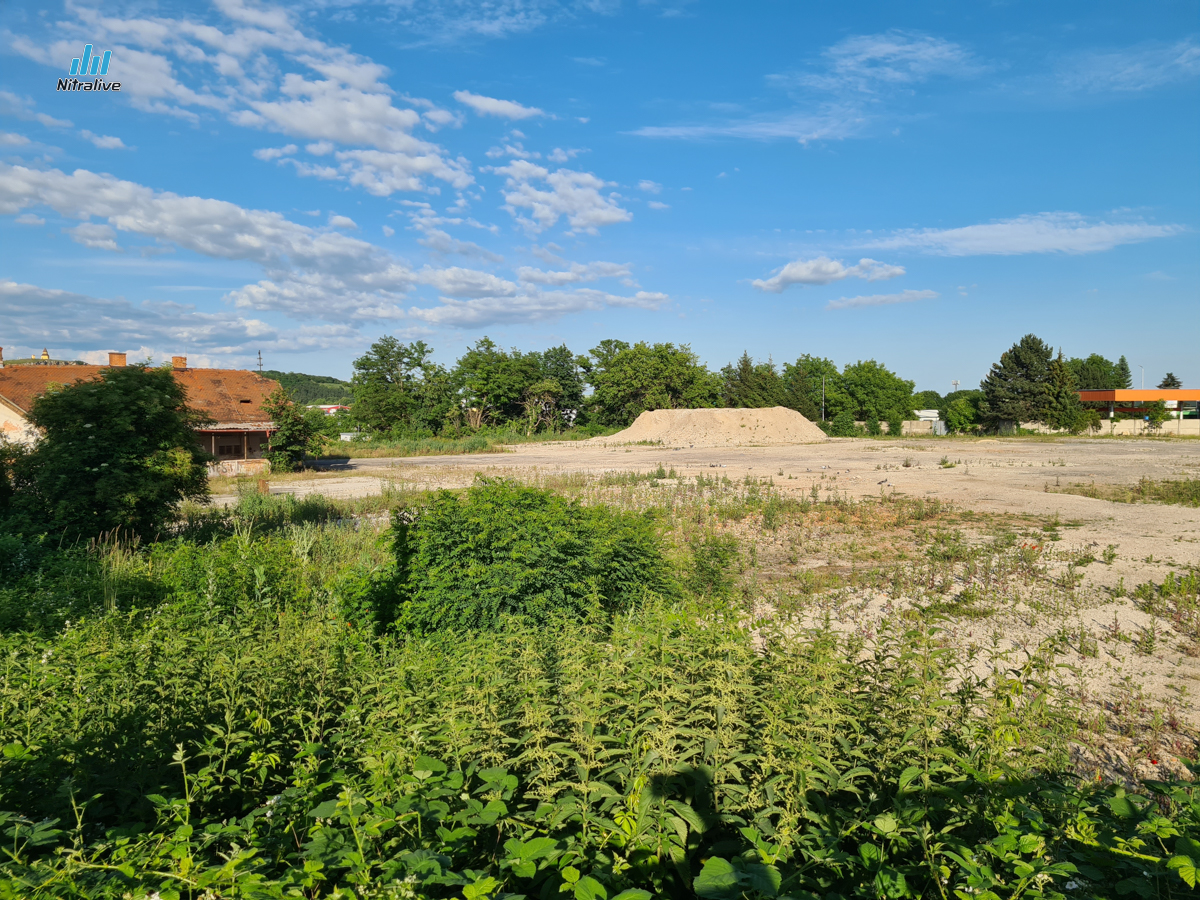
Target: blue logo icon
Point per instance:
(80, 66)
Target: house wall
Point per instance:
(14, 427)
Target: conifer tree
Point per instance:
(1170, 382)
(1018, 387)
(1124, 375)
(1063, 409)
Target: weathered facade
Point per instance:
(230, 398)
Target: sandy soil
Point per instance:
(718, 428)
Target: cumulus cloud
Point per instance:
(880, 299)
(650, 187)
(1056, 232)
(35, 316)
(11, 139)
(549, 196)
(309, 272)
(658, 204)
(29, 219)
(104, 141)
(490, 106)
(343, 222)
(98, 237)
(459, 282)
(824, 270)
(260, 70)
(266, 154)
(577, 272)
(532, 306)
(22, 108)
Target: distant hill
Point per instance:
(309, 390)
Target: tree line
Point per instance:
(399, 391)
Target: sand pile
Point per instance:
(720, 428)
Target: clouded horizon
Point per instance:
(917, 185)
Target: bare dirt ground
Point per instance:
(1016, 566)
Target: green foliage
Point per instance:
(399, 390)
(843, 425)
(1095, 373)
(928, 400)
(802, 382)
(298, 432)
(1156, 413)
(310, 390)
(895, 425)
(493, 383)
(711, 571)
(1018, 387)
(752, 386)
(960, 415)
(628, 380)
(874, 429)
(873, 389)
(117, 453)
(504, 549)
(1124, 376)
(1170, 382)
(1062, 408)
(265, 749)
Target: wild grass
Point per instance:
(485, 441)
(1183, 491)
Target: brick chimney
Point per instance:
(116, 359)
(178, 362)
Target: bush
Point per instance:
(713, 557)
(465, 562)
(873, 427)
(843, 425)
(895, 424)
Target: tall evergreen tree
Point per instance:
(1018, 386)
(1124, 375)
(1063, 409)
(751, 385)
(1170, 382)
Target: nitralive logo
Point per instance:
(96, 66)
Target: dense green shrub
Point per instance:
(844, 425)
(711, 571)
(502, 548)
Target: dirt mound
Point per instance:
(719, 428)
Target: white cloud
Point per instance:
(490, 106)
(343, 222)
(1057, 232)
(576, 273)
(824, 270)
(22, 108)
(11, 139)
(440, 241)
(1148, 65)
(240, 70)
(650, 187)
(441, 118)
(559, 155)
(98, 237)
(880, 299)
(575, 195)
(29, 219)
(866, 62)
(534, 306)
(104, 141)
(309, 272)
(459, 282)
(388, 232)
(266, 154)
(35, 317)
(658, 204)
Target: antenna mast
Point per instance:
(260, 362)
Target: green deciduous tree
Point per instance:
(398, 389)
(749, 385)
(115, 453)
(928, 400)
(298, 431)
(960, 415)
(492, 383)
(628, 380)
(1018, 386)
(1155, 414)
(802, 382)
(874, 390)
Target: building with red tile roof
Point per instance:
(230, 398)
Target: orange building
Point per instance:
(1182, 403)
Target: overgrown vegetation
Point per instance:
(1183, 491)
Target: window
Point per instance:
(229, 449)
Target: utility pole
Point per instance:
(822, 398)
(1143, 368)
(260, 362)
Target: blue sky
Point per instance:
(918, 183)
